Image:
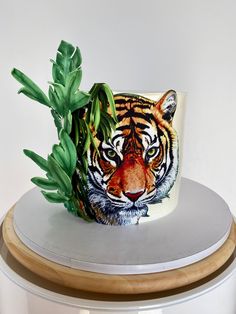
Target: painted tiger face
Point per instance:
(138, 164)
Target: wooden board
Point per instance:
(115, 284)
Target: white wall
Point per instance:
(148, 45)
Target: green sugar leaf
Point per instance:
(105, 129)
(79, 100)
(56, 102)
(45, 183)
(97, 114)
(40, 161)
(87, 140)
(108, 122)
(76, 59)
(57, 121)
(94, 143)
(73, 80)
(57, 74)
(110, 99)
(70, 151)
(66, 48)
(103, 99)
(63, 58)
(54, 197)
(57, 98)
(60, 176)
(76, 131)
(85, 164)
(68, 122)
(30, 88)
(60, 156)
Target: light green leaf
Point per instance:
(30, 89)
(88, 139)
(40, 161)
(97, 114)
(45, 183)
(59, 175)
(54, 197)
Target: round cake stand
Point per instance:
(184, 247)
(23, 292)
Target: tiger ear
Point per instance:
(167, 105)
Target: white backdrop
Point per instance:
(142, 45)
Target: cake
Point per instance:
(118, 156)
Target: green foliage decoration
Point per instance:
(78, 116)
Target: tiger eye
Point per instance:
(110, 153)
(151, 152)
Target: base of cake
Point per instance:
(192, 242)
(125, 287)
(198, 226)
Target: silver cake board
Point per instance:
(197, 228)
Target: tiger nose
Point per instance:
(134, 196)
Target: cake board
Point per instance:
(139, 282)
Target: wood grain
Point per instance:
(115, 284)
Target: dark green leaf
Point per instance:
(109, 122)
(85, 163)
(56, 73)
(65, 48)
(60, 61)
(45, 183)
(71, 207)
(63, 59)
(76, 59)
(73, 80)
(68, 122)
(79, 100)
(94, 143)
(54, 197)
(105, 130)
(30, 88)
(59, 176)
(57, 97)
(40, 161)
(110, 99)
(95, 89)
(53, 99)
(59, 154)
(103, 99)
(76, 131)
(57, 120)
(70, 151)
